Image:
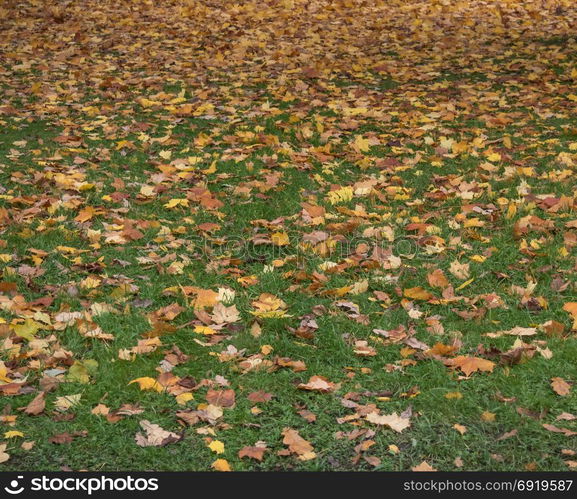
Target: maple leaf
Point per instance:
(36, 406)
(340, 195)
(155, 436)
(221, 465)
(469, 365)
(253, 452)
(216, 446)
(147, 383)
(269, 306)
(319, 384)
(298, 445)
(28, 329)
(260, 396)
(393, 421)
(221, 398)
(437, 279)
(64, 403)
(205, 298)
(221, 314)
(424, 466)
(362, 144)
(571, 307)
(459, 270)
(280, 239)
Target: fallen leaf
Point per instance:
(393, 421)
(298, 445)
(560, 386)
(424, 466)
(155, 435)
(36, 406)
(319, 384)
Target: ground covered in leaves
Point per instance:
(299, 234)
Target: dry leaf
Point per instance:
(319, 384)
(155, 435)
(560, 386)
(393, 421)
(298, 445)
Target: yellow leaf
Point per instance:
(173, 203)
(183, 398)
(453, 395)
(5, 257)
(341, 195)
(488, 417)
(13, 434)
(417, 293)
(362, 144)
(216, 446)
(204, 330)
(221, 465)
(28, 329)
(90, 283)
(280, 238)
(465, 284)
(211, 169)
(478, 258)
(147, 383)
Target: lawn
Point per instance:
(297, 235)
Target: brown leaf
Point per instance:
(507, 435)
(437, 279)
(36, 406)
(555, 429)
(260, 396)
(298, 445)
(252, 452)
(308, 415)
(560, 386)
(221, 398)
(319, 384)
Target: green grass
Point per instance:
(273, 153)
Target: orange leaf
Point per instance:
(417, 293)
(470, 365)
